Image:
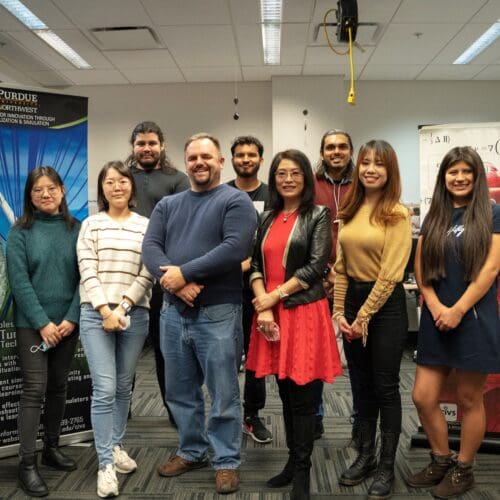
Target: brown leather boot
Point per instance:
(433, 473)
(457, 481)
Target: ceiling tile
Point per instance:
(259, 73)
(249, 41)
(44, 52)
(490, 73)
(297, 11)
(104, 13)
(324, 56)
(400, 45)
(49, 14)
(200, 45)
(245, 12)
(293, 43)
(177, 12)
(488, 14)
(81, 44)
(432, 11)
(95, 76)
(50, 79)
(462, 41)
(391, 72)
(153, 75)
(137, 59)
(450, 72)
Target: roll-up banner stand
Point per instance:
(39, 128)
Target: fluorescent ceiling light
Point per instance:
(63, 48)
(39, 28)
(486, 39)
(270, 14)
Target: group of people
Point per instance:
(308, 245)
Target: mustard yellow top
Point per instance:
(369, 252)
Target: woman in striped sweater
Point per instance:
(115, 289)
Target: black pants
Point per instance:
(154, 336)
(378, 364)
(254, 393)
(45, 376)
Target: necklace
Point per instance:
(289, 214)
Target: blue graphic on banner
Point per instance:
(23, 149)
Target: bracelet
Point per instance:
(283, 295)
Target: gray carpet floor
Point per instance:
(150, 439)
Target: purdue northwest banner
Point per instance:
(38, 128)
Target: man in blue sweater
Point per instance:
(194, 246)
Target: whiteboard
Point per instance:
(436, 140)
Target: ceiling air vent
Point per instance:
(126, 38)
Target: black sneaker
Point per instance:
(254, 427)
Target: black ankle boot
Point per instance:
(52, 456)
(365, 462)
(381, 488)
(284, 477)
(29, 479)
(301, 486)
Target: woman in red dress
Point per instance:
(292, 335)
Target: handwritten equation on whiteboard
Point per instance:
(437, 140)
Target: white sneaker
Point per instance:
(122, 462)
(107, 483)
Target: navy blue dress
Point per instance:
(475, 344)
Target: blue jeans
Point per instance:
(204, 346)
(112, 359)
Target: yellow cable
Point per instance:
(328, 38)
(352, 96)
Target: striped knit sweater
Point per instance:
(109, 257)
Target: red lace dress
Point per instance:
(307, 349)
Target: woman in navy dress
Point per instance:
(456, 266)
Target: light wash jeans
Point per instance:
(204, 348)
(112, 359)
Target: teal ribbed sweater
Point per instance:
(43, 272)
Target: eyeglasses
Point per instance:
(120, 182)
(282, 175)
(39, 192)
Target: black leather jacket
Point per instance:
(306, 254)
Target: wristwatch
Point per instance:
(125, 306)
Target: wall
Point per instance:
(273, 111)
(181, 110)
(384, 109)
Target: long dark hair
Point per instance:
(301, 160)
(477, 220)
(102, 202)
(384, 211)
(150, 128)
(28, 216)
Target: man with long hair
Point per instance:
(155, 177)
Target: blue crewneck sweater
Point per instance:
(43, 272)
(207, 234)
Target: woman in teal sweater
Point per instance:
(44, 278)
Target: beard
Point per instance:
(246, 173)
(149, 164)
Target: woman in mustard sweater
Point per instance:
(369, 302)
